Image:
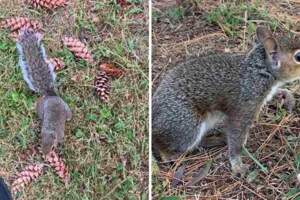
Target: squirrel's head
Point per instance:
(283, 54)
(48, 141)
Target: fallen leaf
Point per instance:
(111, 70)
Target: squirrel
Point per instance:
(225, 88)
(39, 75)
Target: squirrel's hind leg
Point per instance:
(177, 128)
(174, 127)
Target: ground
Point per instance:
(191, 28)
(106, 145)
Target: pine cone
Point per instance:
(58, 165)
(29, 174)
(48, 4)
(58, 63)
(102, 85)
(78, 48)
(111, 70)
(16, 23)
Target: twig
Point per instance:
(278, 125)
(263, 168)
(253, 192)
(273, 133)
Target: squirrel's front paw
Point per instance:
(287, 98)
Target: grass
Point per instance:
(272, 149)
(106, 145)
(230, 17)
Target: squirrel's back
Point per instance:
(202, 79)
(37, 72)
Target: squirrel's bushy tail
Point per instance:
(37, 71)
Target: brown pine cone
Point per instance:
(48, 4)
(58, 165)
(58, 63)
(16, 23)
(78, 48)
(28, 175)
(102, 86)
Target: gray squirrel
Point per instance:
(225, 88)
(39, 75)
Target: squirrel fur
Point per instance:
(37, 72)
(225, 88)
(40, 77)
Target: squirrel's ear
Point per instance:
(263, 33)
(272, 51)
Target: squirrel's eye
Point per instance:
(297, 56)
